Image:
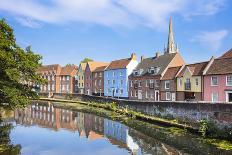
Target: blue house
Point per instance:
(116, 77)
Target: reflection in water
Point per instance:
(90, 127)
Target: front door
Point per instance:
(230, 97)
(173, 96)
(156, 95)
(140, 96)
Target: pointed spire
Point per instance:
(171, 48)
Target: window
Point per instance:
(146, 94)
(82, 77)
(168, 96)
(113, 82)
(229, 80)
(180, 82)
(140, 83)
(63, 78)
(113, 74)
(121, 73)
(214, 81)
(67, 87)
(107, 74)
(95, 82)
(136, 93)
(108, 81)
(48, 87)
(53, 87)
(156, 83)
(82, 84)
(67, 78)
(131, 83)
(197, 82)
(99, 83)
(131, 93)
(95, 75)
(147, 83)
(79, 84)
(151, 81)
(167, 84)
(100, 74)
(63, 87)
(121, 91)
(214, 97)
(151, 94)
(121, 82)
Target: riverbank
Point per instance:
(150, 129)
(113, 112)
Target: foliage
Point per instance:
(17, 70)
(5, 144)
(85, 60)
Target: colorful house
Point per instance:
(190, 82)
(81, 78)
(218, 79)
(168, 84)
(145, 79)
(88, 82)
(98, 81)
(116, 77)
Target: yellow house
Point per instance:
(190, 82)
(81, 78)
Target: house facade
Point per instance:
(59, 79)
(218, 79)
(81, 78)
(145, 81)
(168, 84)
(98, 81)
(116, 77)
(88, 79)
(190, 82)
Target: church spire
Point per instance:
(171, 48)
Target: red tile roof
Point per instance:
(220, 66)
(228, 54)
(100, 69)
(69, 70)
(118, 64)
(171, 73)
(196, 69)
(93, 65)
(48, 68)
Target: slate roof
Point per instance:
(118, 64)
(93, 65)
(196, 69)
(171, 73)
(228, 54)
(220, 66)
(48, 68)
(162, 61)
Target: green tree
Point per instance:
(85, 60)
(17, 70)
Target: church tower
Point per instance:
(171, 47)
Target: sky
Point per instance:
(66, 31)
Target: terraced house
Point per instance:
(60, 79)
(218, 79)
(145, 79)
(190, 82)
(81, 78)
(116, 77)
(88, 82)
(98, 81)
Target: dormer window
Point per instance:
(136, 72)
(154, 70)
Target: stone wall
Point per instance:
(188, 112)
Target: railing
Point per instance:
(187, 86)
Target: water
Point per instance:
(44, 129)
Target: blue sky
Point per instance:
(66, 31)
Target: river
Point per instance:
(47, 129)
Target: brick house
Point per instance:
(59, 79)
(88, 82)
(218, 79)
(81, 78)
(168, 84)
(145, 79)
(190, 82)
(98, 81)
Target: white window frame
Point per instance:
(113, 74)
(227, 83)
(113, 82)
(131, 93)
(121, 82)
(139, 83)
(146, 94)
(131, 83)
(168, 96)
(165, 83)
(212, 81)
(180, 82)
(136, 93)
(108, 81)
(120, 73)
(67, 78)
(212, 96)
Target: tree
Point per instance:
(17, 70)
(85, 60)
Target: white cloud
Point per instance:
(212, 40)
(128, 13)
(28, 22)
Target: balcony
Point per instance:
(151, 85)
(187, 86)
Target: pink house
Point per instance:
(218, 79)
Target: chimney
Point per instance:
(157, 54)
(133, 56)
(142, 58)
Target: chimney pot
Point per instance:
(133, 56)
(142, 57)
(157, 54)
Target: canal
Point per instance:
(49, 129)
